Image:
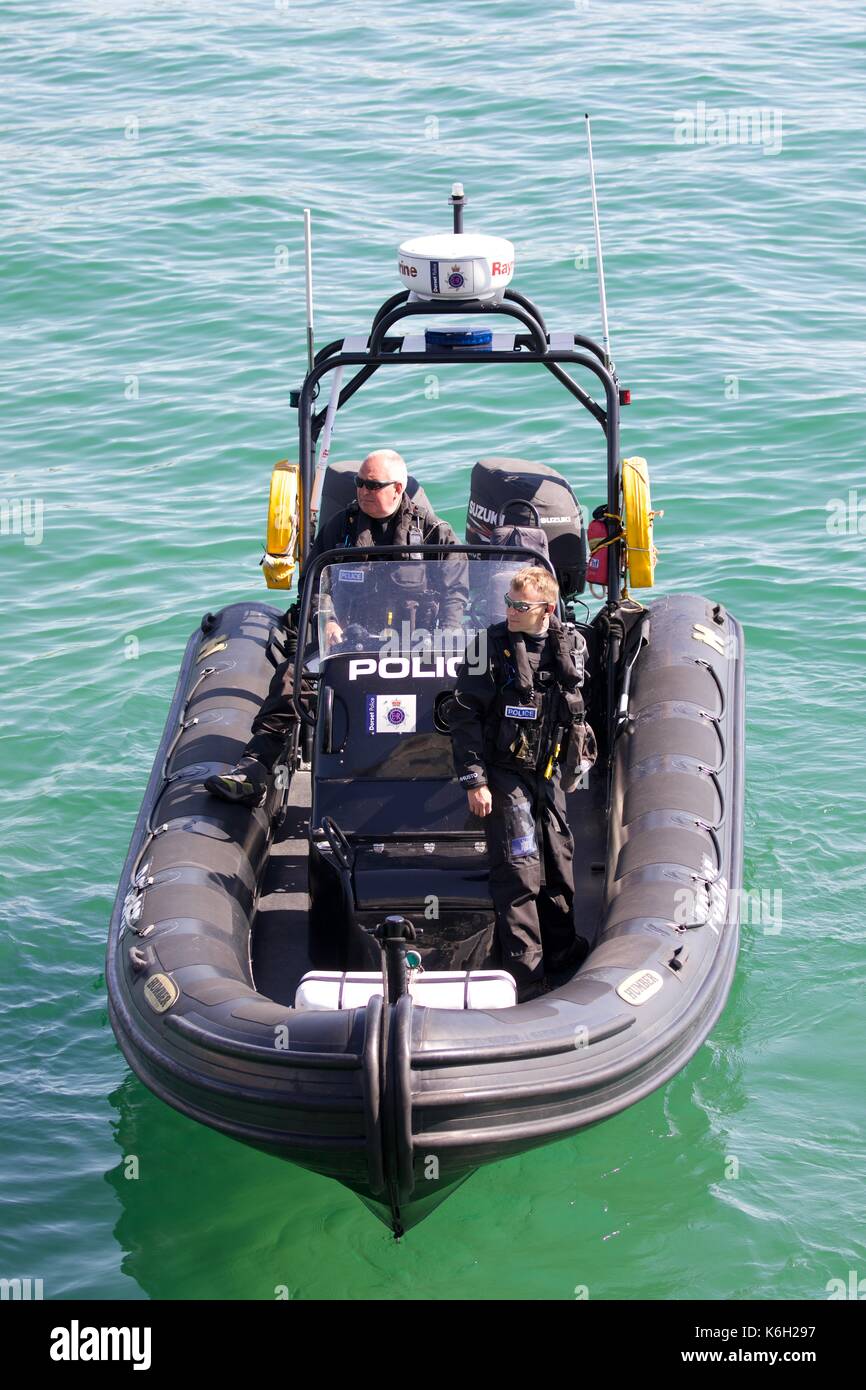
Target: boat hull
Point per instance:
(402, 1103)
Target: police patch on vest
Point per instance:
(351, 576)
(521, 712)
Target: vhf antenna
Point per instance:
(308, 268)
(598, 255)
(458, 203)
(336, 380)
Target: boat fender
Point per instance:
(637, 530)
(281, 545)
(638, 515)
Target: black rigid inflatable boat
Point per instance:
(254, 981)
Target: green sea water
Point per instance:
(156, 159)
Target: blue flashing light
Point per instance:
(449, 338)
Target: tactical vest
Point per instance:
(400, 592)
(534, 713)
(408, 528)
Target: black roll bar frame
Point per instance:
(532, 347)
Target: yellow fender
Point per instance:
(638, 515)
(281, 546)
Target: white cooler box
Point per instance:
(435, 989)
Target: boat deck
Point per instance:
(279, 944)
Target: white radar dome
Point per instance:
(456, 265)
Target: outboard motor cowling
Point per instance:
(498, 483)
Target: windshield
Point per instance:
(410, 605)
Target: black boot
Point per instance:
(534, 990)
(569, 959)
(246, 783)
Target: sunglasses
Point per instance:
(370, 483)
(520, 607)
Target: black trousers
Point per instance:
(275, 719)
(530, 851)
